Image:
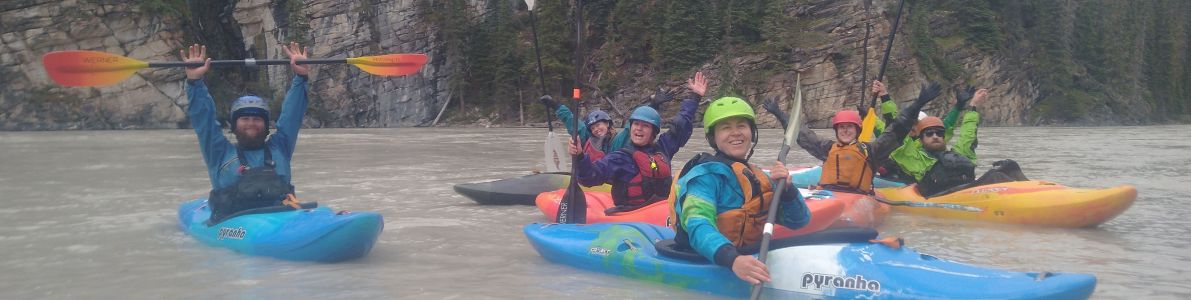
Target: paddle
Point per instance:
(864, 49)
(573, 208)
(791, 134)
(551, 147)
(870, 118)
(928, 204)
(94, 68)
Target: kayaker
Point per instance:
(598, 124)
(255, 171)
(937, 169)
(849, 165)
(722, 200)
(640, 172)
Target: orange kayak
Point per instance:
(859, 210)
(823, 213)
(1025, 202)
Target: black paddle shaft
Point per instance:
(771, 216)
(247, 63)
(573, 207)
(533, 25)
(889, 46)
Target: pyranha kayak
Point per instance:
(316, 234)
(1025, 202)
(839, 264)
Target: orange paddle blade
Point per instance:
(89, 68)
(390, 64)
(869, 126)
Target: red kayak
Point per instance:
(824, 212)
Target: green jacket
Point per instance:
(915, 161)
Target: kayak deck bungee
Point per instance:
(518, 190)
(827, 268)
(823, 212)
(315, 234)
(1032, 202)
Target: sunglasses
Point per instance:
(934, 132)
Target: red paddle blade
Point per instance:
(89, 68)
(390, 64)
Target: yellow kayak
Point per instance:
(1024, 202)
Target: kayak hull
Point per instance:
(1040, 203)
(858, 210)
(518, 190)
(823, 212)
(317, 234)
(834, 270)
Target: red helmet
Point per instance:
(846, 116)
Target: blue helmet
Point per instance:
(648, 115)
(249, 105)
(596, 116)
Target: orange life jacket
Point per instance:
(742, 226)
(847, 167)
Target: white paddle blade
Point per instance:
(556, 158)
(529, 3)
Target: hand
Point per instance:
(749, 269)
(770, 106)
(549, 102)
(928, 93)
(981, 94)
(779, 172)
(296, 52)
(962, 96)
(197, 53)
(573, 148)
(660, 97)
(698, 84)
(879, 88)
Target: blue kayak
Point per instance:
(818, 266)
(804, 178)
(314, 234)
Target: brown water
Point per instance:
(92, 214)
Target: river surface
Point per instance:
(92, 214)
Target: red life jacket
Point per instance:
(593, 153)
(651, 184)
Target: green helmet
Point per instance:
(724, 108)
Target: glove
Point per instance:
(962, 96)
(928, 93)
(660, 97)
(771, 106)
(549, 102)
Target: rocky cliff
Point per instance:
(1030, 84)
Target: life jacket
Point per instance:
(593, 153)
(742, 226)
(846, 167)
(257, 187)
(950, 170)
(651, 184)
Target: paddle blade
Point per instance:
(89, 68)
(868, 126)
(573, 207)
(529, 3)
(390, 64)
(556, 155)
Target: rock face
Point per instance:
(341, 96)
(28, 100)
